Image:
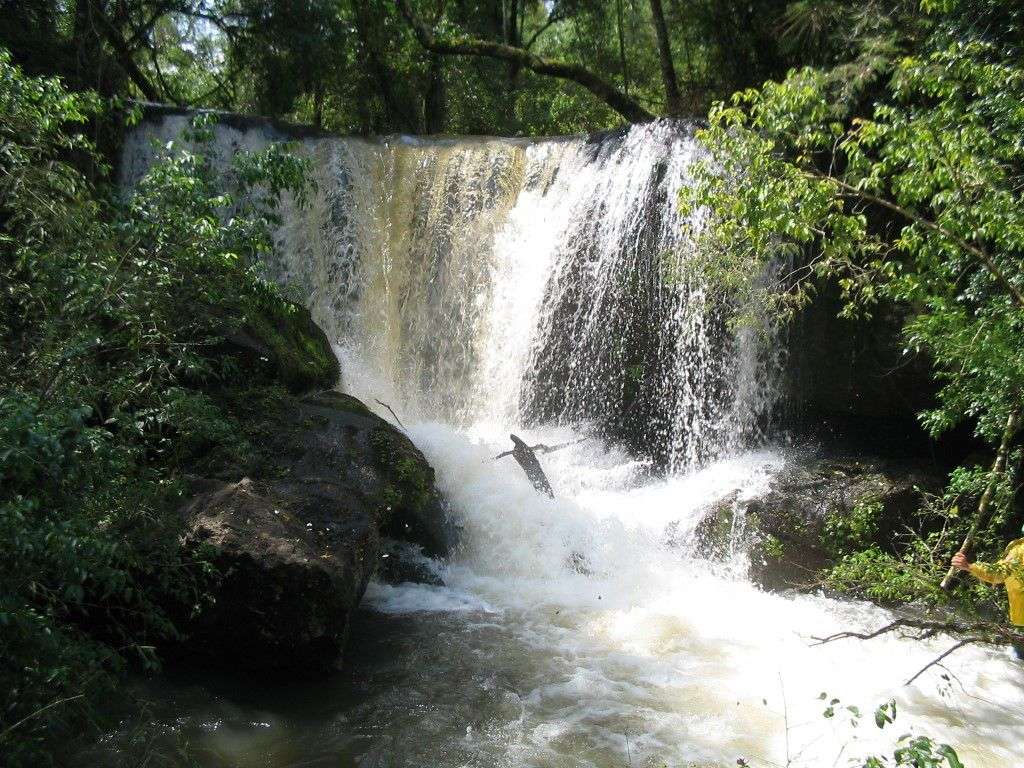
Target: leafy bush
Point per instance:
(855, 530)
(113, 384)
(910, 565)
(910, 199)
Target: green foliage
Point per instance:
(889, 578)
(356, 66)
(113, 314)
(855, 529)
(909, 750)
(909, 567)
(914, 201)
(773, 547)
(918, 203)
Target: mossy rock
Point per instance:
(301, 534)
(409, 487)
(282, 344)
(383, 471)
(790, 532)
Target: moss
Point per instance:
(261, 415)
(294, 348)
(339, 401)
(409, 480)
(773, 548)
(854, 530)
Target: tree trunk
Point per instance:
(122, 53)
(318, 105)
(403, 120)
(673, 100)
(622, 46)
(434, 103)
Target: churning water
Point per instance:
(482, 287)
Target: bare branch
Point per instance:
(939, 658)
(976, 633)
(57, 702)
(142, 32)
(625, 105)
(554, 18)
(160, 79)
(392, 413)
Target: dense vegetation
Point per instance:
(114, 382)
(356, 66)
(898, 174)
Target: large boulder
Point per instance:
(287, 588)
(298, 540)
(790, 531)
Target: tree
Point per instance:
(618, 100)
(543, 68)
(673, 99)
(918, 201)
(113, 382)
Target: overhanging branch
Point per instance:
(625, 105)
(124, 54)
(983, 257)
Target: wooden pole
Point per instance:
(983, 516)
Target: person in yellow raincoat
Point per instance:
(1009, 570)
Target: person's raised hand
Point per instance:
(960, 561)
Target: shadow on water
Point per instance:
(387, 707)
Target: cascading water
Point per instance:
(527, 282)
(487, 286)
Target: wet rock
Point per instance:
(298, 541)
(288, 587)
(785, 530)
(401, 562)
(848, 373)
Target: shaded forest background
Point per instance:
(360, 66)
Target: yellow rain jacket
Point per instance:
(1009, 570)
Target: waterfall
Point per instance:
(522, 282)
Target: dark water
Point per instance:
(388, 707)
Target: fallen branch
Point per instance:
(527, 459)
(552, 448)
(977, 633)
(546, 448)
(393, 414)
(939, 658)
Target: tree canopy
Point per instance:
(422, 66)
(904, 187)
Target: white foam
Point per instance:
(440, 268)
(709, 666)
(416, 598)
